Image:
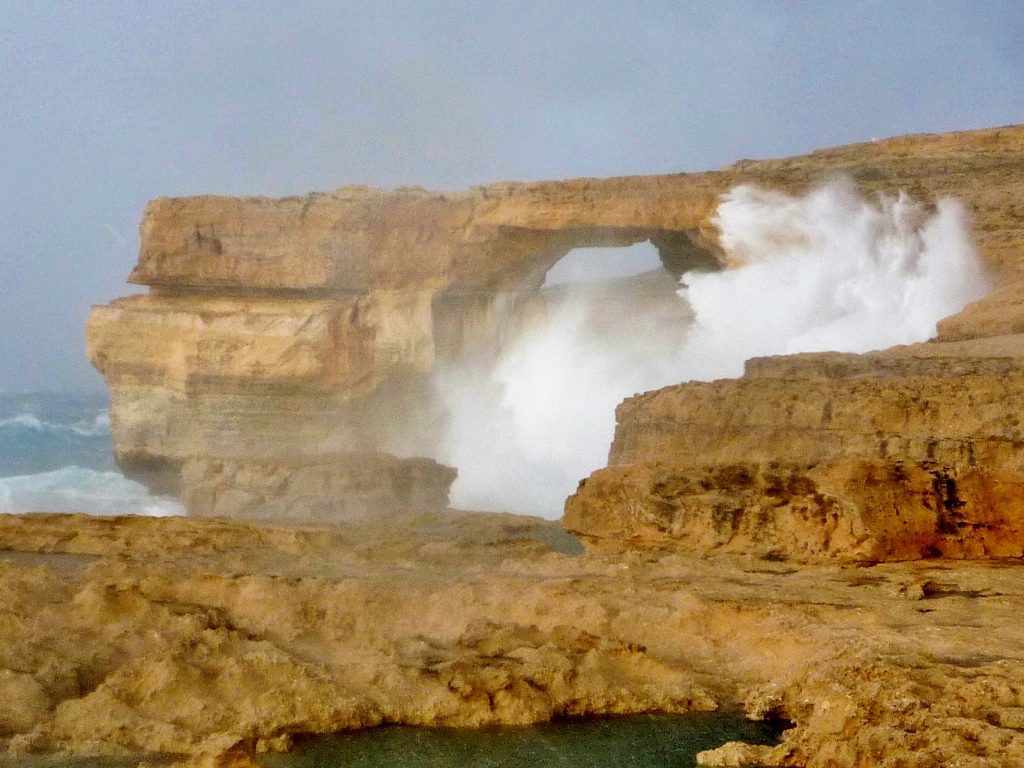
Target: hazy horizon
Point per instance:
(107, 104)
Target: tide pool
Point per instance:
(635, 741)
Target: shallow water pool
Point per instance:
(637, 741)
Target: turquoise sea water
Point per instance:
(42, 431)
(56, 455)
(637, 741)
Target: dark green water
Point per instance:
(638, 741)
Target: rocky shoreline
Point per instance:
(210, 639)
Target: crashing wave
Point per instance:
(830, 270)
(77, 489)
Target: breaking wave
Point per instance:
(830, 270)
(78, 489)
(31, 443)
(56, 455)
(98, 426)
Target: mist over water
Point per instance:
(827, 271)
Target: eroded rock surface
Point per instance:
(207, 637)
(915, 452)
(905, 453)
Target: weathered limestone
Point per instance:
(872, 457)
(307, 327)
(911, 452)
(281, 342)
(198, 637)
(323, 488)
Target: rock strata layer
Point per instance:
(907, 453)
(307, 327)
(916, 452)
(323, 489)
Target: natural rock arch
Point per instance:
(277, 329)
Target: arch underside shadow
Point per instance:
(679, 251)
(475, 319)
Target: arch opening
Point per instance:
(592, 265)
(528, 417)
(534, 350)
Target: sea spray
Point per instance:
(523, 432)
(830, 270)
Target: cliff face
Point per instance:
(885, 456)
(304, 327)
(911, 452)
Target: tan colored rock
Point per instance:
(228, 378)
(736, 754)
(320, 489)
(302, 328)
(308, 326)
(359, 239)
(24, 702)
(893, 456)
(998, 314)
(207, 638)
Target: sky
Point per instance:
(105, 105)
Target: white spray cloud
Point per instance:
(524, 432)
(827, 271)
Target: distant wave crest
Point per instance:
(99, 426)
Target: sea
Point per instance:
(632, 741)
(56, 455)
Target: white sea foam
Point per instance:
(25, 421)
(827, 271)
(830, 271)
(76, 489)
(99, 426)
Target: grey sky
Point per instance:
(104, 105)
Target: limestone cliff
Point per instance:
(905, 453)
(306, 327)
(327, 489)
(868, 457)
